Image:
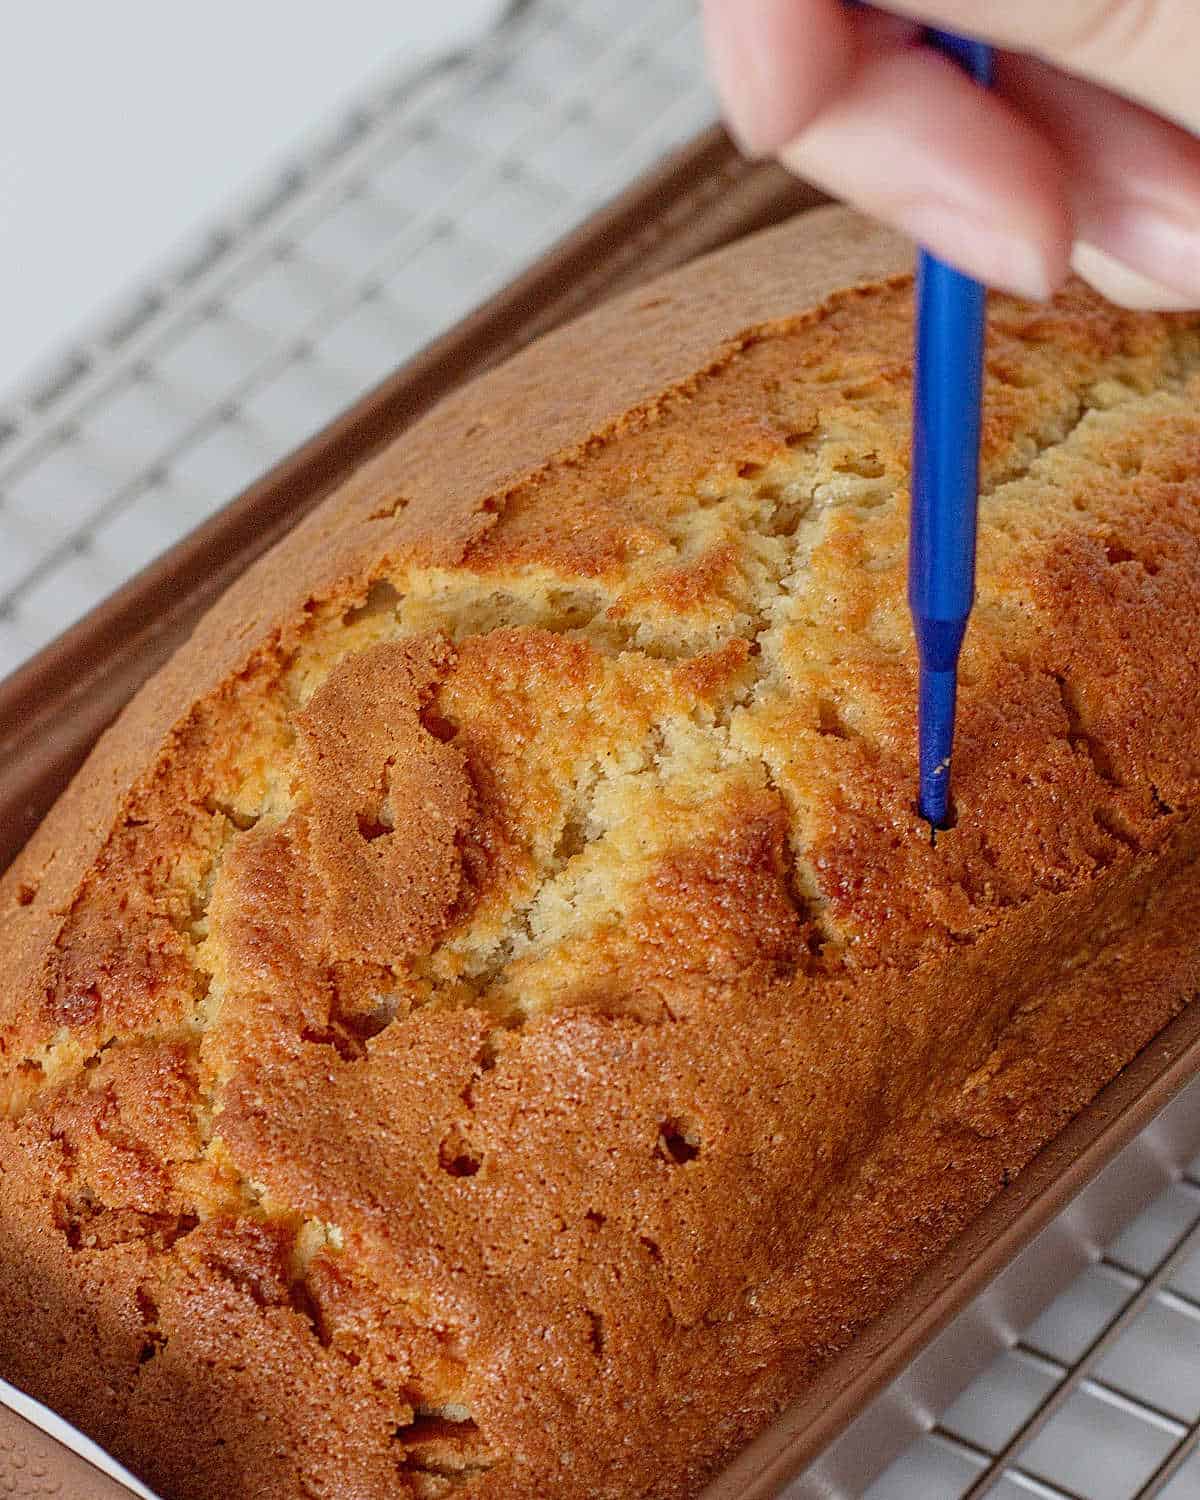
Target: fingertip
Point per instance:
(1125, 286)
(775, 65)
(1021, 263)
(916, 144)
(1142, 252)
(1134, 185)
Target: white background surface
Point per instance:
(386, 219)
(124, 125)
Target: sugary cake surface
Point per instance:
(488, 1020)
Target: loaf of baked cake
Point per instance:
(488, 1020)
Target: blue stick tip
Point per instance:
(936, 724)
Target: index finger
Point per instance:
(1145, 49)
(777, 63)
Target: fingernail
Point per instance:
(1125, 286)
(1159, 246)
(977, 246)
(740, 80)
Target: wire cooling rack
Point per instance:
(1100, 1398)
(426, 197)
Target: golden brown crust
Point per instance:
(488, 1020)
(389, 801)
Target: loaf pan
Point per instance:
(1023, 1250)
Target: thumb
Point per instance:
(1145, 49)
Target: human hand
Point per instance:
(1083, 155)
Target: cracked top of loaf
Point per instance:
(488, 1019)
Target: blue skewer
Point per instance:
(947, 402)
(947, 405)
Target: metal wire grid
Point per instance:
(1100, 1399)
(425, 198)
(430, 195)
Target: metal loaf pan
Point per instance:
(1023, 1250)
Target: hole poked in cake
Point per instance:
(367, 1022)
(950, 821)
(789, 503)
(89, 1224)
(382, 599)
(830, 721)
(678, 1141)
(451, 1423)
(375, 825)
(242, 820)
(441, 729)
(456, 1157)
(573, 840)
(351, 1026)
(443, 1447)
(595, 1332)
(155, 1338)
